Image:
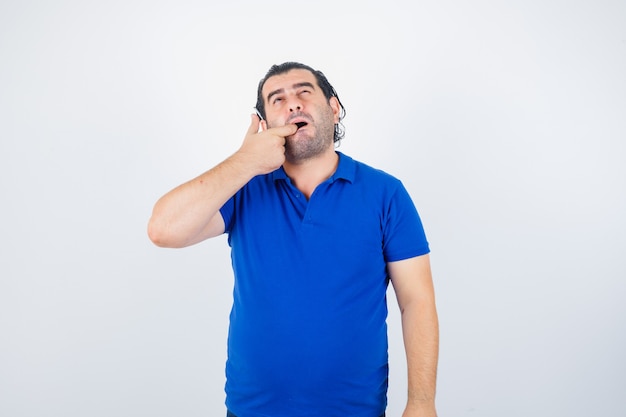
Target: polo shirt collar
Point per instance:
(346, 169)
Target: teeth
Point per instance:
(300, 124)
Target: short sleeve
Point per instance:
(403, 232)
(227, 212)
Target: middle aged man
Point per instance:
(316, 236)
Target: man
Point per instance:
(315, 239)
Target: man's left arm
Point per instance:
(413, 285)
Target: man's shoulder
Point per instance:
(370, 173)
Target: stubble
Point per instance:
(304, 145)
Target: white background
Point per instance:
(505, 120)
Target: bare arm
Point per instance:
(190, 212)
(412, 282)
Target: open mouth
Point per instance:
(300, 124)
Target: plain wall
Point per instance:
(506, 121)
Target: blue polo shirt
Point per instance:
(307, 333)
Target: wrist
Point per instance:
(421, 408)
(243, 164)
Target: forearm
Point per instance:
(421, 339)
(190, 212)
(187, 214)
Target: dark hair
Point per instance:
(323, 83)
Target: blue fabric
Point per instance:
(229, 414)
(307, 332)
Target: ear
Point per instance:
(336, 107)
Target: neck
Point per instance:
(308, 174)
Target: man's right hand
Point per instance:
(264, 150)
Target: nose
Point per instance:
(294, 104)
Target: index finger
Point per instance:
(286, 130)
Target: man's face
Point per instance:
(295, 97)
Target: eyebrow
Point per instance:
(295, 86)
